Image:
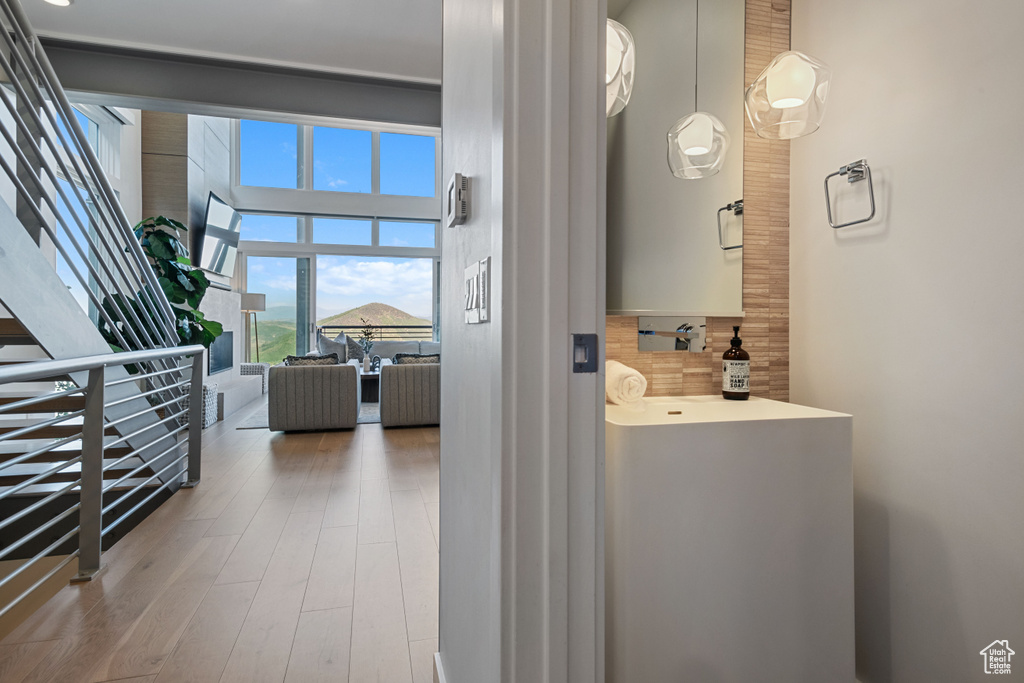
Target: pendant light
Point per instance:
(788, 99)
(620, 63)
(697, 143)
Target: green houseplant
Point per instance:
(184, 286)
(367, 336)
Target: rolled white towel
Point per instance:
(623, 385)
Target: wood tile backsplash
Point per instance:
(765, 327)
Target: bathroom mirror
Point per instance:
(664, 253)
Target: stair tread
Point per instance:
(58, 431)
(11, 326)
(43, 489)
(19, 446)
(59, 404)
(31, 469)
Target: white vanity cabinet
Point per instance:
(729, 543)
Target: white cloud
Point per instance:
(280, 282)
(344, 283)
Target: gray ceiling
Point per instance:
(389, 38)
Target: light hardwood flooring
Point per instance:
(300, 558)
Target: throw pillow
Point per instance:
(327, 345)
(354, 349)
(328, 359)
(416, 358)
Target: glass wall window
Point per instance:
(331, 185)
(407, 165)
(406, 234)
(270, 154)
(285, 281)
(342, 160)
(73, 212)
(90, 127)
(400, 289)
(264, 228)
(343, 231)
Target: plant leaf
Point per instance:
(185, 282)
(199, 277)
(160, 249)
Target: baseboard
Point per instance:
(439, 669)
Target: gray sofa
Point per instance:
(410, 395)
(314, 397)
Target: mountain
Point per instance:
(278, 313)
(277, 340)
(376, 314)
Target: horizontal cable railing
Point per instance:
(70, 473)
(63, 196)
(384, 332)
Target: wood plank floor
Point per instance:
(299, 558)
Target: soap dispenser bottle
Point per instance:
(736, 370)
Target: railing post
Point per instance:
(195, 422)
(90, 512)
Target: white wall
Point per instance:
(913, 322)
(128, 182)
(471, 374)
(522, 449)
(209, 170)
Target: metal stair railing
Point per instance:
(49, 146)
(86, 506)
(384, 332)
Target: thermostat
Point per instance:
(458, 200)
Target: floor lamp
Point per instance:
(253, 303)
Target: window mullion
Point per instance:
(307, 150)
(375, 163)
(236, 155)
(375, 233)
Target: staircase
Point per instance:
(90, 440)
(58, 471)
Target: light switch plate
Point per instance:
(472, 293)
(485, 290)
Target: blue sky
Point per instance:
(342, 159)
(342, 162)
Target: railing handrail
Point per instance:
(376, 327)
(44, 369)
(120, 223)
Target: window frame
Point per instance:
(308, 204)
(332, 203)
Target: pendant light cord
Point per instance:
(696, 54)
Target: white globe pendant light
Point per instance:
(787, 100)
(697, 143)
(620, 63)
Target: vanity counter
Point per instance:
(729, 542)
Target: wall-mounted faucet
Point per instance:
(662, 333)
